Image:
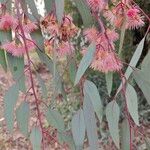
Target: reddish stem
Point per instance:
(29, 64)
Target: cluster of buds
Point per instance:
(59, 35)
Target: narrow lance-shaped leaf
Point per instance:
(134, 61)
(49, 5)
(146, 63)
(67, 138)
(78, 129)
(4, 37)
(16, 65)
(85, 62)
(32, 6)
(94, 96)
(10, 100)
(42, 86)
(112, 115)
(22, 116)
(90, 121)
(36, 138)
(59, 10)
(3, 59)
(72, 69)
(109, 82)
(132, 103)
(143, 81)
(147, 141)
(55, 119)
(84, 12)
(125, 135)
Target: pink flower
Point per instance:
(96, 5)
(7, 22)
(112, 35)
(134, 19)
(91, 34)
(106, 61)
(65, 48)
(18, 49)
(30, 27)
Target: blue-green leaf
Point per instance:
(84, 12)
(72, 70)
(3, 59)
(33, 8)
(10, 100)
(42, 86)
(94, 96)
(135, 58)
(132, 103)
(147, 141)
(36, 138)
(109, 82)
(125, 135)
(22, 116)
(49, 5)
(78, 128)
(16, 65)
(112, 115)
(59, 10)
(90, 121)
(55, 119)
(134, 61)
(67, 138)
(85, 62)
(146, 63)
(143, 81)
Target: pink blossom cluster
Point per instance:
(18, 49)
(125, 14)
(62, 33)
(9, 22)
(105, 59)
(120, 14)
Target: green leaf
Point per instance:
(59, 10)
(94, 96)
(109, 82)
(49, 63)
(134, 61)
(72, 70)
(55, 119)
(143, 81)
(36, 138)
(146, 63)
(84, 12)
(112, 115)
(78, 128)
(3, 59)
(85, 62)
(67, 138)
(125, 135)
(22, 116)
(132, 103)
(16, 65)
(10, 100)
(147, 141)
(135, 58)
(33, 8)
(38, 37)
(42, 86)
(49, 5)
(90, 121)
